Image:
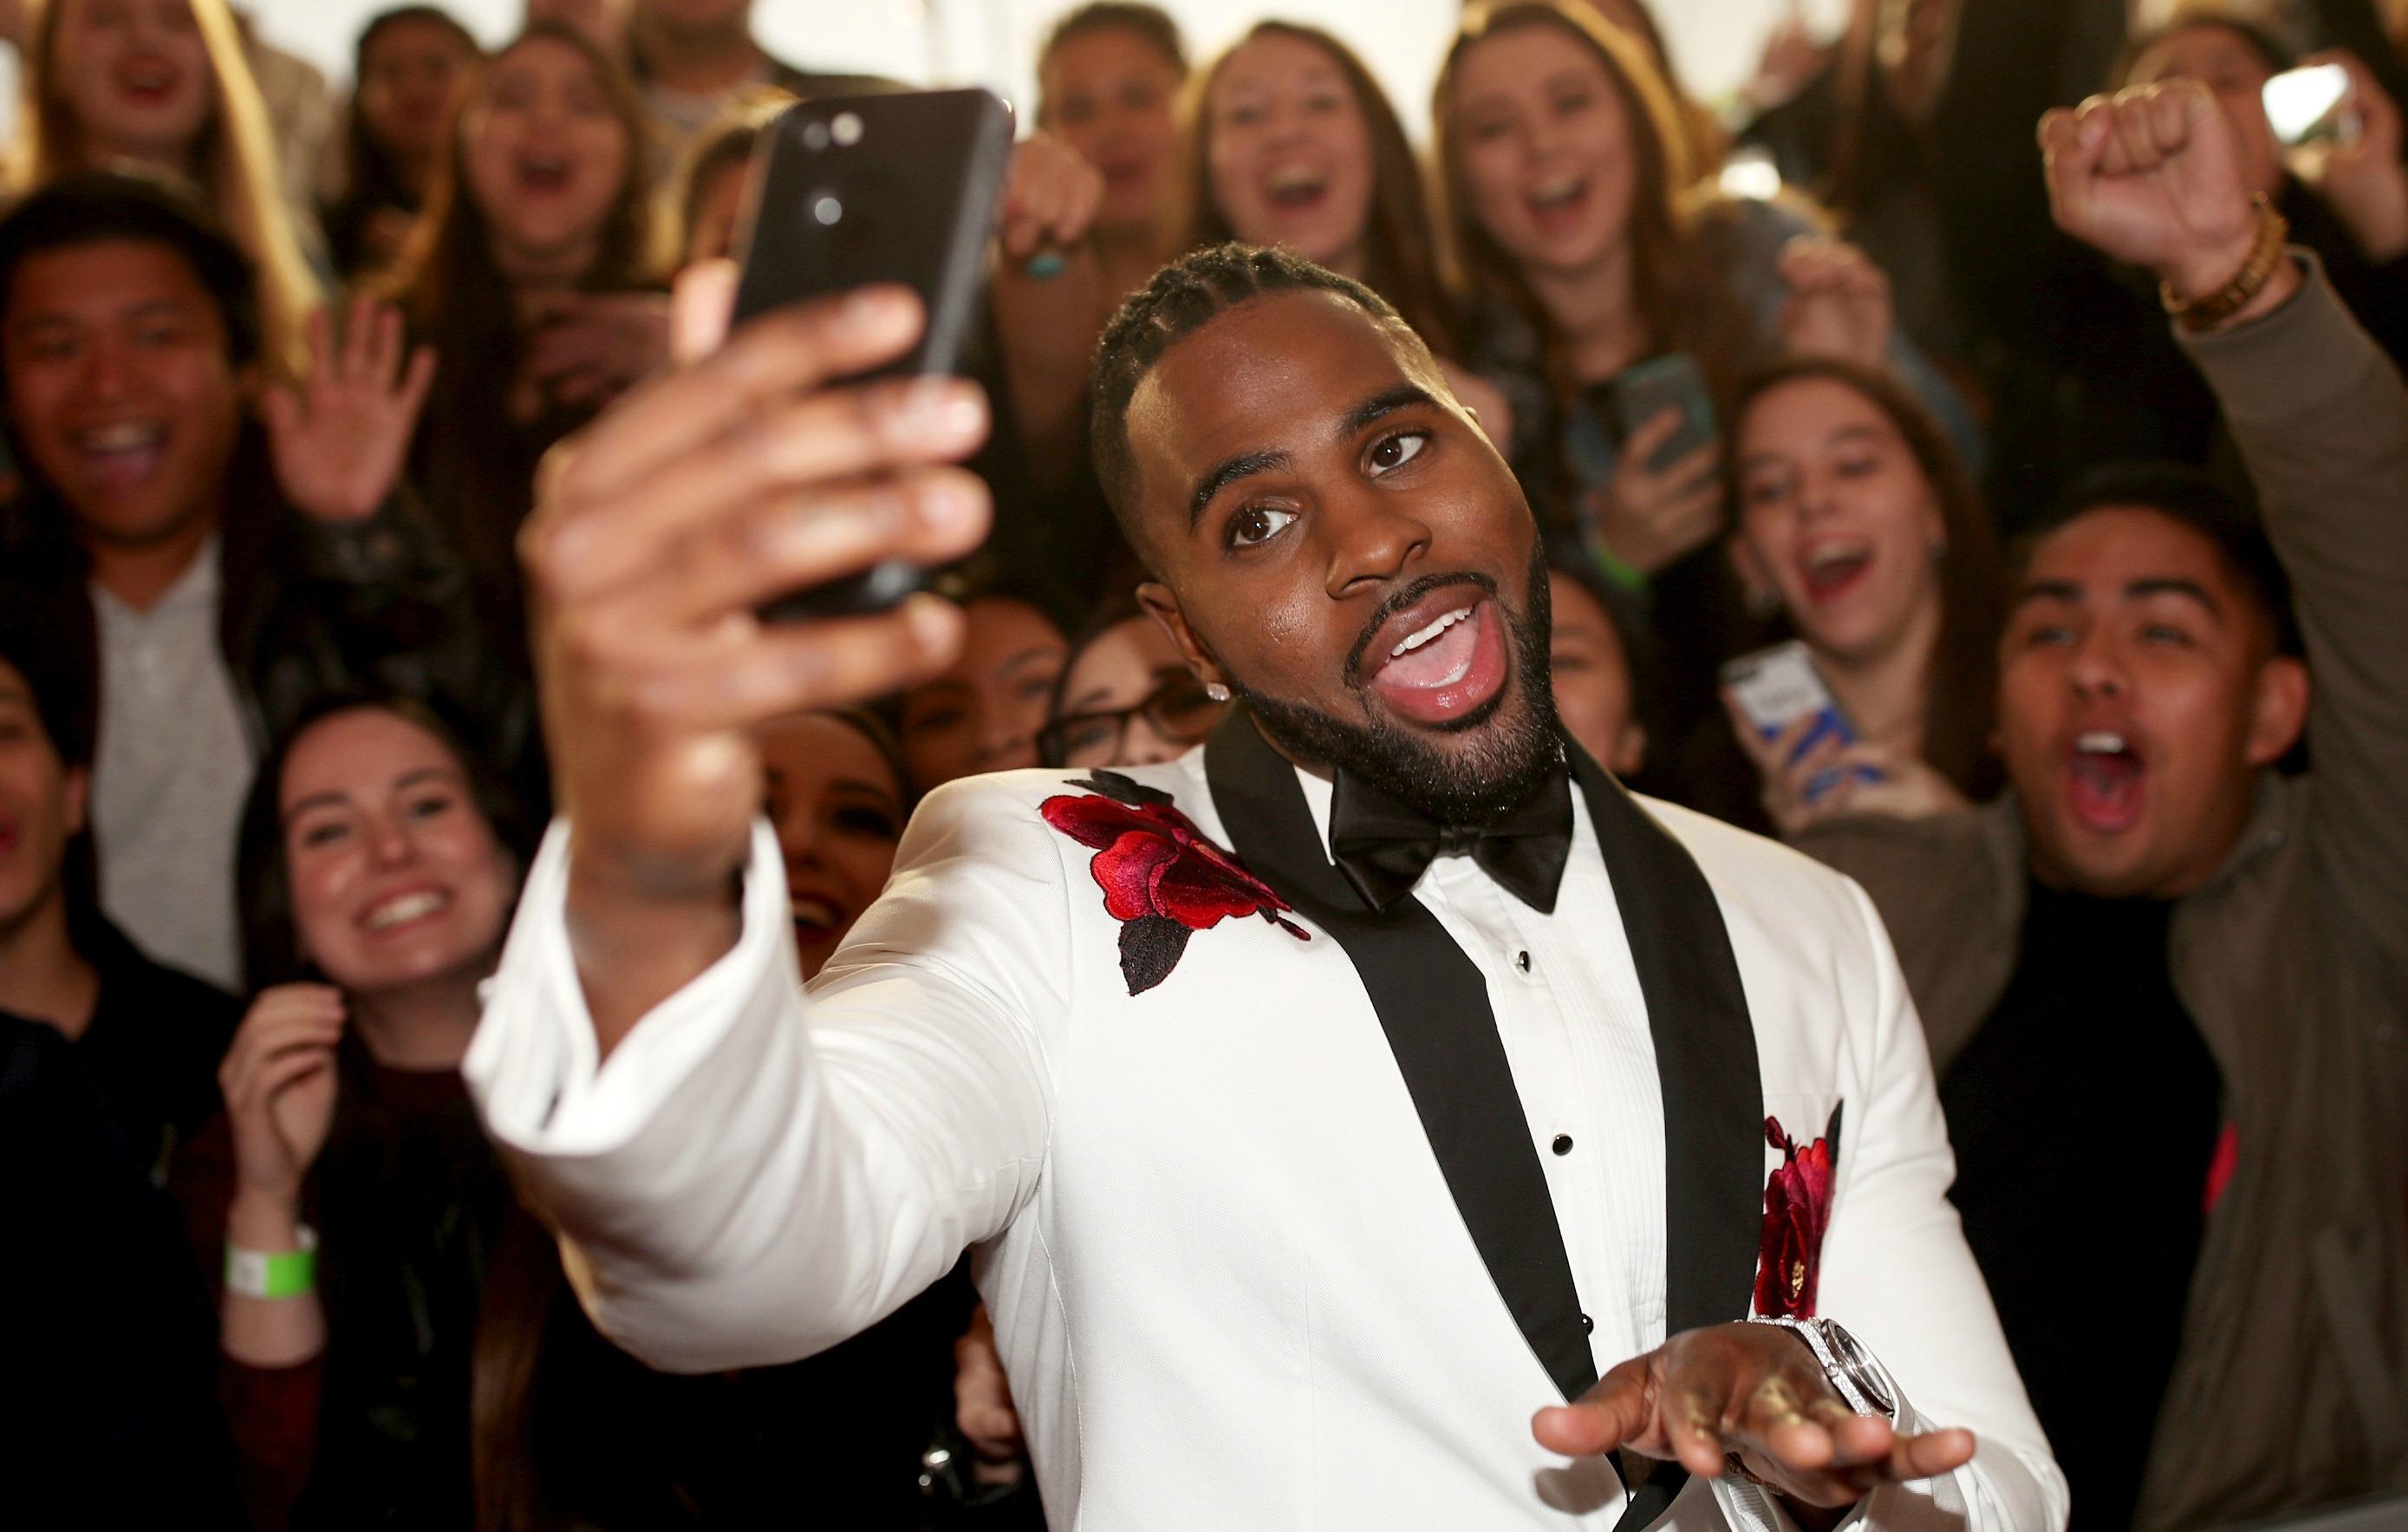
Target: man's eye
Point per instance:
(1393, 453)
(2045, 635)
(2166, 633)
(1259, 524)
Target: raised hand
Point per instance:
(1865, 777)
(657, 533)
(2151, 177)
(1838, 304)
(1754, 1392)
(1647, 517)
(2361, 177)
(339, 439)
(1052, 199)
(279, 1083)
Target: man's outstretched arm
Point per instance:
(723, 1197)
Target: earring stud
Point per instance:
(1217, 692)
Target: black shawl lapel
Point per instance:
(1433, 1004)
(1706, 1069)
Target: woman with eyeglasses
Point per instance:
(1125, 697)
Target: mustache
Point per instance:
(1397, 601)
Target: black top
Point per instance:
(108, 1416)
(449, 1319)
(2084, 1115)
(154, 1045)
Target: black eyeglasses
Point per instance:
(1177, 711)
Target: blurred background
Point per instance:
(994, 42)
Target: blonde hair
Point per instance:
(235, 158)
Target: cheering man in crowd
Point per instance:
(2161, 978)
(213, 574)
(1294, 1181)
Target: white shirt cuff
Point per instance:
(534, 1066)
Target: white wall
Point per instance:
(994, 42)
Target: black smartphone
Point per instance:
(848, 191)
(1640, 393)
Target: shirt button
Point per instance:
(1562, 1144)
(1522, 961)
(1587, 1324)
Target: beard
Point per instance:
(1513, 749)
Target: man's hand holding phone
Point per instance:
(748, 472)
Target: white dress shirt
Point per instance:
(1228, 1279)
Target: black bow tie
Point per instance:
(1384, 847)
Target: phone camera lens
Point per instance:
(815, 135)
(827, 210)
(846, 128)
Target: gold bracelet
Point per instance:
(2265, 258)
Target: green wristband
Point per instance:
(274, 1273)
(1615, 570)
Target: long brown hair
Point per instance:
(235, 160)
(1963, 685)
(457, 300)
(1399, 263)
(1678, 289)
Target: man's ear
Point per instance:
(1163, 605)
(76, 789)
(2278, 709)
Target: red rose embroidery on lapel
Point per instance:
(1161, 879)
(1797, 1212)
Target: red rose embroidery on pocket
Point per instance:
(1797, 1212)
(1162, 880)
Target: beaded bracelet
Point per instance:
(2265, 259)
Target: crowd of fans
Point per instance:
(2113, 611)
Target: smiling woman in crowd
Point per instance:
(377, 873)
(983, 712)
(408, 62)
(531, 274)
(1107, 84)
(1856, 523)
(837, 801)
(162, 86)
(1125, 697)
(1291, 142)
(1569, 201)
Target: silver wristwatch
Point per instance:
(1859, 1379)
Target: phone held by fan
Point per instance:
(1778, 687)
(850, 190)
(2307, 103)
(1638, 395)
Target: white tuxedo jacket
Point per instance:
(1264, 1248)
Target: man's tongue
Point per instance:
(2104, 789)
(122, 469)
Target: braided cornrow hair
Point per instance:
(1182, 298)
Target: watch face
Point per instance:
(1859, 1367)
